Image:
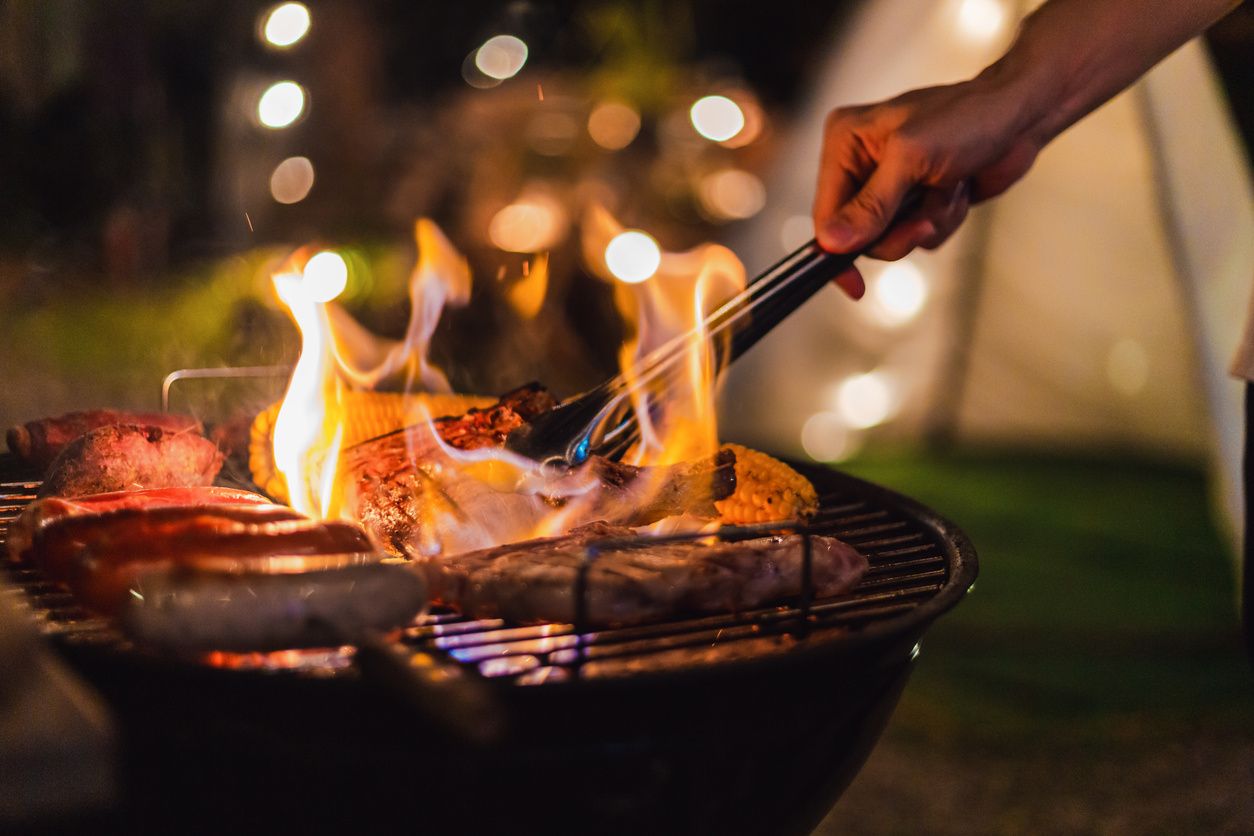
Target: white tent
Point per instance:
(1095, 305)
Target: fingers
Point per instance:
(866, 215)
(851, 282)
(843, 166)
(940, 213)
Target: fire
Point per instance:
(665, 312)
(664, 299)
(337, 354)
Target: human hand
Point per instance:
(956, 145)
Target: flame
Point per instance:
(665, 314)
(337, 353)
(308, 429)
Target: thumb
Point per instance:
(866, 216)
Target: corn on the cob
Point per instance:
(767, 490)
(367, 414)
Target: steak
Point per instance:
(535, 581)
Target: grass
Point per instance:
(1096, 666)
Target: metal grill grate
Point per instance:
(915, 559)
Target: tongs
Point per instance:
(601, 421)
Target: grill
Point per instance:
(747, 722)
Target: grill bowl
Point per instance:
(746, 723)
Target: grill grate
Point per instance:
(913, 560)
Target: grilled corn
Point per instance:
(367, 414)
(767, 490)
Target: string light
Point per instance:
(633, 256)
(732, 194)
(898, 293)
(281, 104)
(613, 125)
(286, 25)
(528, 225)
(826, 438)
(292, 179)
(501, 57)
(325, 276)
(981, 20)
(865, 400)
(717, 118)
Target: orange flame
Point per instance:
(337, 353)
(665, 314)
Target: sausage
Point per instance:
(43, 512)
(127, 457)
(39, 442)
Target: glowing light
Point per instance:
(826, 438)
(501, 57)
(795, 231)
(292, 179)
(981, 19)
(717, 118)
(281, 104)
(732, 194)
(633, 256)
(286, 24)
(613, 125)
(1127, 367)
(528, 225)
(865, 400)
(898, 293)
(325, 277)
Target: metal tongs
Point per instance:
(601, 420)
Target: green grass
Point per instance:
(1105, 607)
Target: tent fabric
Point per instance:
(1093, 306)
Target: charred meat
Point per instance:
(39, 442)
(536, 581)
(127, 457)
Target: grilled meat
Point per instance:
(100, 556)
(536, 580)
(414, 499)
(43, 512)
(125, 457)
(39, 442)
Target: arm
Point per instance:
(967, 142)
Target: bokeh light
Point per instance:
(865, 400)
(717, 118)
(981, 19)
(292, 179)
(826, 438)
(501, 57)
(731, 194)
(633, 256)
(613, 125)
(286, 24)
(281, 104)
(528, 225)
(796, 231)
(898, 292)
(325, 276)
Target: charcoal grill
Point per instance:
(747, 722)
